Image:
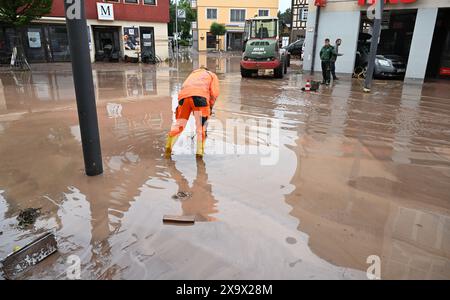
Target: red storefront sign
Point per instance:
(321, 3)
(364, 2)
(444, 71)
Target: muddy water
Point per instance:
(357, 175)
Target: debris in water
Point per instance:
(179, 219)
(28, 216)
(181, 195)
(29, 255)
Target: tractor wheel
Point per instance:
(246, 73)
(278, 72)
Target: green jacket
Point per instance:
(327, 53)
(335, 54)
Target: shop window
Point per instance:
(237, 15)
(34, 44)
(4, 51)
(59, 43)
(211, 41)
(211, 13)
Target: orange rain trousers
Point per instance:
(202, 111)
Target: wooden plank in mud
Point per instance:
(179, 219)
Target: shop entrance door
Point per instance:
(147, 38)
(107, 43)
(235, 41)
(211, 41)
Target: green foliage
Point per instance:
(18, 13)
(184, 43)
(217, 29)
(284, 19)
(184, 26)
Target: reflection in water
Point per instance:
(358, 195)
(201, 202)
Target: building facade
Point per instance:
(299, 10)
(416, 30)
(231, 13)
(118, 29)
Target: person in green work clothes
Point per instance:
(326, 55)
(334, 58)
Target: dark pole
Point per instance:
(84, 85)
(291, 37)
(379, 6)
(316, 33)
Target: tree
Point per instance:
(284, 20)
(285, 17)
(217, 30)
(18, 14)
(184, 25)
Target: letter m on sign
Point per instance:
(106, 10)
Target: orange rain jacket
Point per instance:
(201, 83)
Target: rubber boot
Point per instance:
(171, 140)
(200, 148)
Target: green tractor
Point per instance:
(262, 51)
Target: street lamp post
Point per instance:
(379, 6)
(176, 27)
(84, 85)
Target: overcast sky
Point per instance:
(285, 4)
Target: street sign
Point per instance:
(181, 13)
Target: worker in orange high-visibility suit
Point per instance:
(198, 95)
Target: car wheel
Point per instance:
(246, 73)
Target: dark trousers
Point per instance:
(326, 66)
(333, 69)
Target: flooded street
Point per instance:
(350, 176)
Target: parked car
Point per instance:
(295, 48)
(389, 65)
(386, 65)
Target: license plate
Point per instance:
(265, 72)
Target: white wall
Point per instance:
(333, 25)
(421, 43)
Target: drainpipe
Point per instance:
(316, 33)
(84, 85)
(379, 6)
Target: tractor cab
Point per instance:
(260, 28)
